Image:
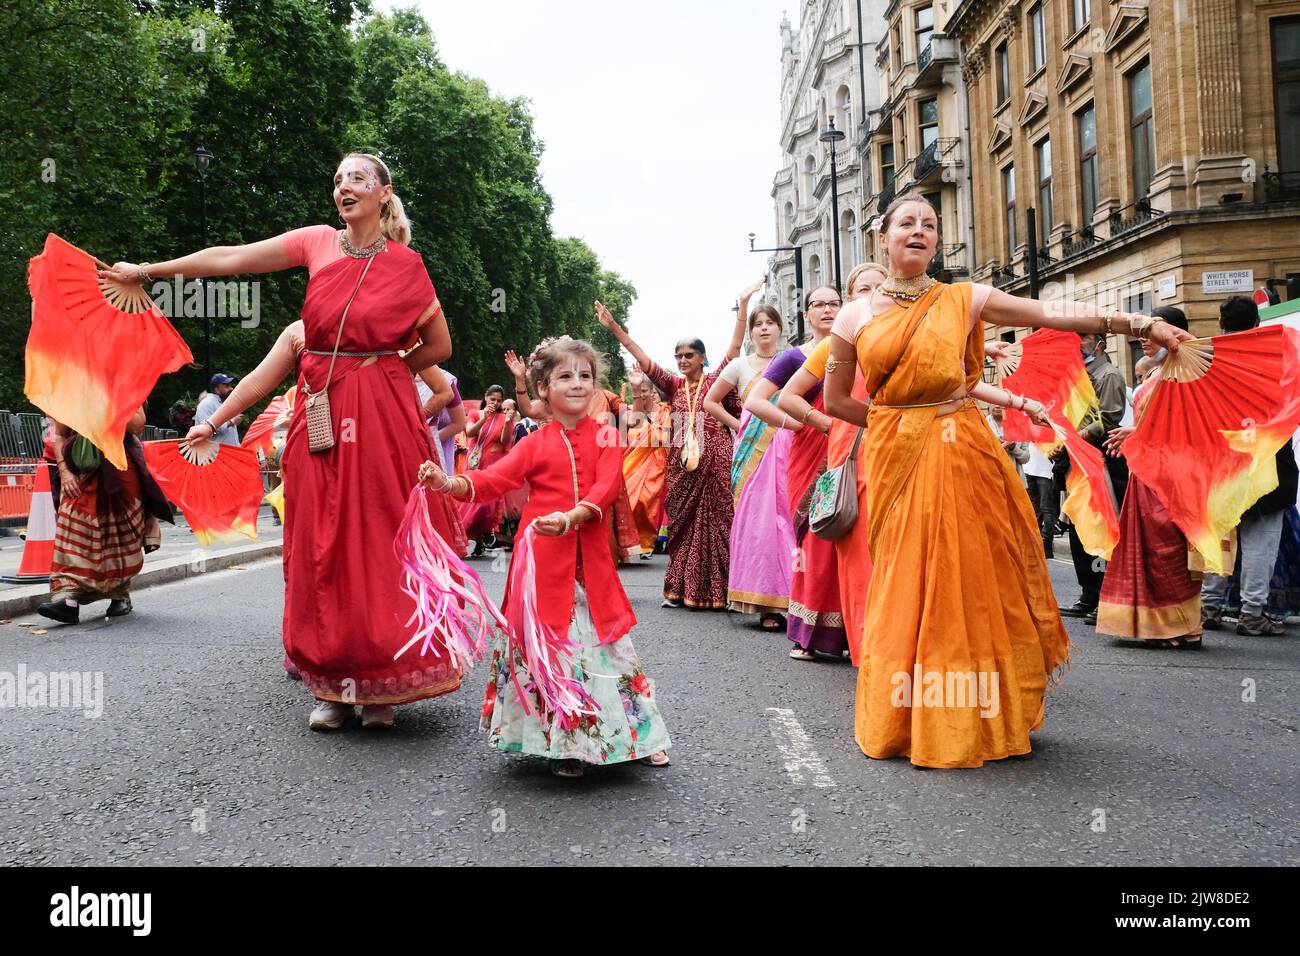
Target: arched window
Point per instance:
(814, 273)
(809, 180)
(849, 239)
(789, 216)
(844, 111)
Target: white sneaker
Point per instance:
(377, 715)
(330, 715)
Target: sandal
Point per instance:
(799, 654)
(658, 759)
(1186, 642)
(771, 621)
(669, 602)
(569, 769)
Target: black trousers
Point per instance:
(1046, 499)
(1088, 570)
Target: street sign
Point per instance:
(1166, 288)
(1230, 280)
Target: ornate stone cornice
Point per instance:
(1009, 23)
(973, 68)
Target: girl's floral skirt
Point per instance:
(628, 726)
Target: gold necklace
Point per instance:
(908, 290)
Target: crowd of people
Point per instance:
(847, 491)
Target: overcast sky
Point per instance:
(661, 123)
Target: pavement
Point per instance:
(202, 755)
(179, 556)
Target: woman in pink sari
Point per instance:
(368, 297)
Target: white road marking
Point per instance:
(796, 749)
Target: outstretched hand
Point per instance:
(516, 365)
(1114, 443)
(1169, 336)
(128, 273)
(997, 350)
(605, 318)
(749, 292)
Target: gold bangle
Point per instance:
(831, 365)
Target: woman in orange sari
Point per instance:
(962, 631)
(645, 463)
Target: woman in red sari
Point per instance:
(1149, 593)
(490, 436)
(343, 610)
(699, 489)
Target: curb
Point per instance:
(22, 601)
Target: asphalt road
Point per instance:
(202, 756)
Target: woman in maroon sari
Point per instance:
(698, 499)
(344, 614)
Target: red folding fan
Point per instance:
(1207, 438)
(1047, 366)
(1090, 496)
(260, 434)
(219, 487)
(96, 347)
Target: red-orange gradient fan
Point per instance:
(1210, 430)
(1047, 365)
(96, 348)
(219, 487)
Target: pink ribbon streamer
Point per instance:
(453, 614)
(547, 655)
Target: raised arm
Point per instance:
(608, 321)
(253, 387)
(742, 318)
(266, 255)
(531, 407)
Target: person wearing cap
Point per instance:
(219, 386)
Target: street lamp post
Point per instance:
(798, 281)
(832, 135)
(202, 159)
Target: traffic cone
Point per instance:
(38, 552)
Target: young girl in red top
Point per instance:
(574, 473)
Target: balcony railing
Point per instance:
(1004, 276)
(1280, 186)
(931, 157)
(1079, 241)
(925, 57)
(886, 197)
(1129, 217)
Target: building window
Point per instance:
(1009, 198)
(1087, 122)
(1037, 40)
(924, 28)
(895, 51)
(844, 110)
(886, 166)
(1043, 160)
(809, 180)
(1142, 129)
(849, 238)
(1082, 14)
(789, 216)
(1286, 97)
(814, 272)
(936, 200)
(1003, 63)
(928, 112)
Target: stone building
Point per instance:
(824, 82)
(919, 138)
(1158, 144)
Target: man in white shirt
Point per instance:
(219, 387)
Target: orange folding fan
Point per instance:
(1047, 365)
(96, 347)
(274, 417)
(219, 487)
(1214, 422)
(1090, 497)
